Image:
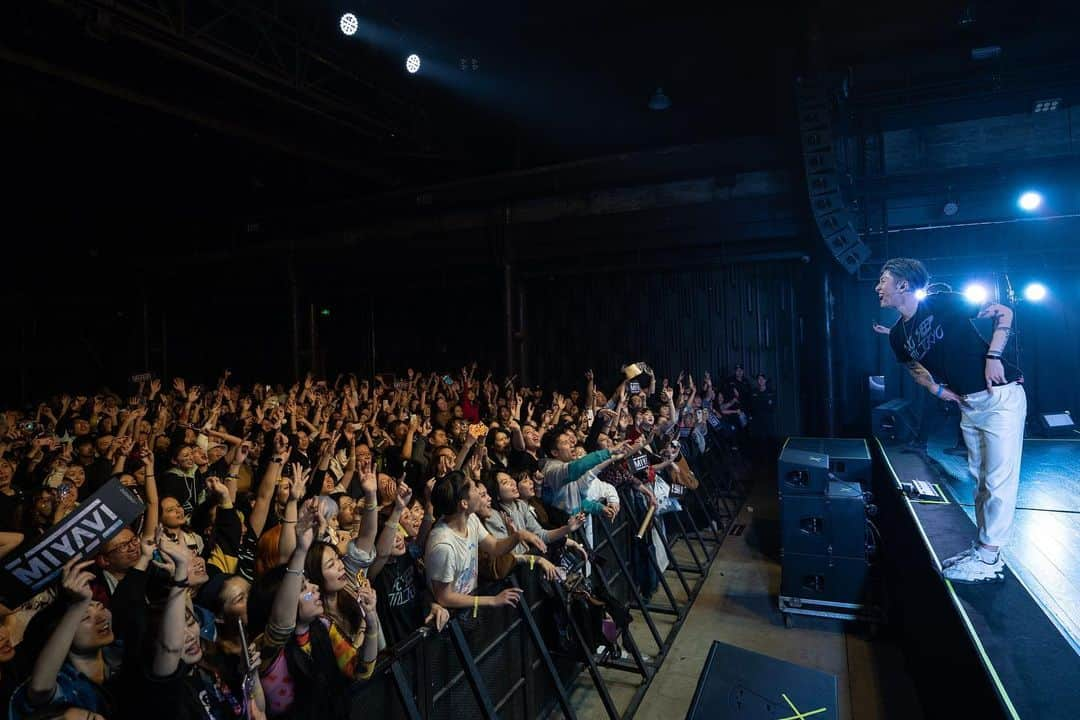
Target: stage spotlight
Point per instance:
(920, 294)
(1030, 201)
(412, 63)
(349, 24)
(1035, 292)
(976, 293)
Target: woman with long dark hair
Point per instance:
(307, 662)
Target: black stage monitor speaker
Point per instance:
(830, 578)
(738, 684)
(849, 458)
(894, 420)
(802, 472)
(1058, 424)
(830, 524)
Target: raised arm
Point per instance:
(153, 507)
(170, 644)
(283, 609)
(268, 485)
(369, 522)
(75, 581)
(385, 544)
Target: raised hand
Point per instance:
(242, 452)
(404, 495)
(306, 521)
(369, 482)
(218, 488)
(175, 555)
(281, 445)
(298, 483)
(75, 579)
(368, 600)
(178, 385)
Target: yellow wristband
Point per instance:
(532, 561)
(475, 604)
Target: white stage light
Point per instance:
(976, 293)
(920, 294)
(349, 24)
(412, 63)
(1035, 292)
(1030, 201)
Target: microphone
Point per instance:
(1009, 290)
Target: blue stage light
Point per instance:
(1035, 292)
(1030, 201)
(976, 293)
(412, 63)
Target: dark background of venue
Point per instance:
(166, 215)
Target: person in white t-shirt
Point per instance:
(452, 556)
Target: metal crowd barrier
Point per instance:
(508, 662)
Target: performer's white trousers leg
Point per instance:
(994, 433)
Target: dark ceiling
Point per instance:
(128, 114)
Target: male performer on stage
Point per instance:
(941, 348)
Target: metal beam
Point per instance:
(203, 119)
(208, 47)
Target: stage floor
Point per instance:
(1045, 549)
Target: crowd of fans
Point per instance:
(292, 533)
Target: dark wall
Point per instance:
(697, 320)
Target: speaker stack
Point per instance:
(824, 530)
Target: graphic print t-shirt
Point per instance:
(451, 558)
(941, 337)
(401, 602)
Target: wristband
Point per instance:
(940, 390)
(179, 583)
(992, 357)
(290, 571)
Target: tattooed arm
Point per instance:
(1003, 318)
(923, 377)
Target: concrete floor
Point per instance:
(737, 605)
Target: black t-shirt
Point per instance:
(942, 338)
(9, 506)
(399, 589)
(190, 693)
(763, 403)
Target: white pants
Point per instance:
(994, 433)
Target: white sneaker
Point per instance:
(973, 570)
(948, 562)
